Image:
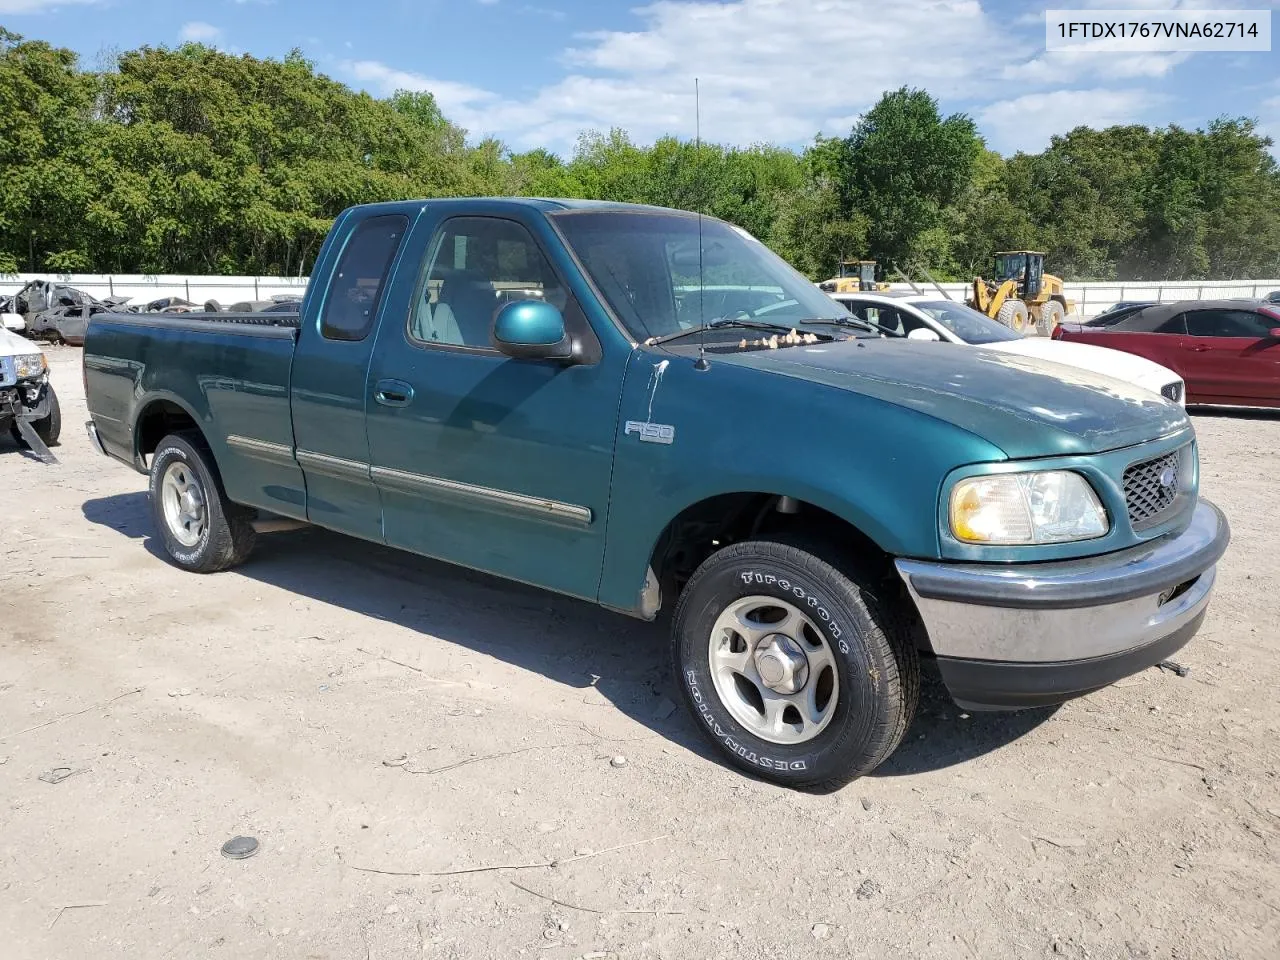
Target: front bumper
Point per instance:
(1009, 636)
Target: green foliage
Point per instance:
(193, 160)
(901, 167)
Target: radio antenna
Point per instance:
(701, 362)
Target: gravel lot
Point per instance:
(1143, 821)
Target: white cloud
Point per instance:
(198, 31)
(455, 99)
(1027, 122)
(782, 70)
(1056, 67)
(769, 70)
(37, 6)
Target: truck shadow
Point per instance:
(610, 659)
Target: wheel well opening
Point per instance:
(160, 419)
(717, 522)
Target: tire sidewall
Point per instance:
(50, 428)
(169, 452)
(865, 703)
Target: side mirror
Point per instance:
(924, 333)
(531, 330)
(1274, 333)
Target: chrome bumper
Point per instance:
(1088, 621)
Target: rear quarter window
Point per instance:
(356, 288)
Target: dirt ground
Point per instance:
(1143, 821)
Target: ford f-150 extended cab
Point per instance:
(649, 410)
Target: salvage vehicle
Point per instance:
(507, 385)
(27, 398)
(931, 318)
(1227, 351)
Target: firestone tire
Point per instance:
(877, 671)
(202, 531)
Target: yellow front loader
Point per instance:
(854, 276)
(1022, 297)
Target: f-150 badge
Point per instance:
(651, 432)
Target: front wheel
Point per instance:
(202, 531)
(793, 668)
(49, 427)
(1013, 314)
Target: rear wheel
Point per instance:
(1013, 314)
(1051, 315)
(793, 668)
(202, 531)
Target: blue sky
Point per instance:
(537, 72)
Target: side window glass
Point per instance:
(356, 288)
(890, 319)
(474, 266)
(1226, 323)
(1243, 323)
(1175, 324)
(911, 322)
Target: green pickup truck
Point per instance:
(572, 394)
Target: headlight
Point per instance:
(1052, 506)
(29, 365)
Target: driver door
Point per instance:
(498, 464)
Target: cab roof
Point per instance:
(545, 204)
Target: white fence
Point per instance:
(142, 289)
(1090, 298)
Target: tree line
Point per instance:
(191, 160)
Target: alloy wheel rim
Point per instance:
(183, 500)
(773, 670)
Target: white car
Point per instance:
(25, 391)
(922, 317)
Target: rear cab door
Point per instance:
(328, 395)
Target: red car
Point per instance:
(1227, 351)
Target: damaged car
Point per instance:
(27, 399)
(57, 312)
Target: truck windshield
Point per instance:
(966, 323)
(647, 267)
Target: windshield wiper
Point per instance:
(723, 322)
(853, 322)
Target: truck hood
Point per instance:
(1112, 363)
(1025, 406)
(12, 345)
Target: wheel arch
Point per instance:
(717, 520)
(159, 416)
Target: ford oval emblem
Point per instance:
(1168, 477)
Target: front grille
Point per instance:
(1152, 488)
(7, 375)
(1172, 391)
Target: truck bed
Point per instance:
(223, 368)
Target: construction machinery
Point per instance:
(854, 276)
(1022, 296)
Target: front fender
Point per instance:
(876, 465)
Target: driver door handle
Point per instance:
(1200, 348)
(393, 393)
